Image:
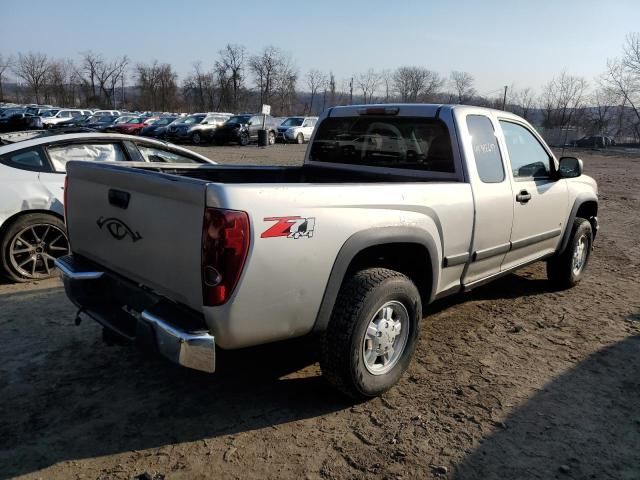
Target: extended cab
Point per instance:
(395, 206)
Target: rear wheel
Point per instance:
(272, 138)
(372, 333)
(300, 139)
(30, 246)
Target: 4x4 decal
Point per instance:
(290, 227)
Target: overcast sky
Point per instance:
(499, 42)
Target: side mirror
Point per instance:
(570, 167)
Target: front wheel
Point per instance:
(244, 139)
(30, 246)
(567, 269)
(372, 333)
(300, 139)
(272, 138)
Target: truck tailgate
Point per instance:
(142, 225)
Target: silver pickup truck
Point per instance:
(395, 206)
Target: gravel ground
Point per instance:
(513, 380)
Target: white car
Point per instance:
(61, 115)
(32, 172)
(296, 129)
(113, 113)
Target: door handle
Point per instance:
(523, 196)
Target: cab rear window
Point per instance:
(398, 142)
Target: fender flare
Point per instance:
(370, 238)
(581, 199)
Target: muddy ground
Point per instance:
(511, 381)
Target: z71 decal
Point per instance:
(290, 227)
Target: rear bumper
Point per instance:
(177, 333)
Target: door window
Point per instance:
(485, 149)
(100, 152)
(155, 154)
(528, 157)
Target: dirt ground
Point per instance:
(511, 381)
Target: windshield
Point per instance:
(46, 113)
(193, 119)
(137, 120)
(124, 119)
(11, 111)
(239, 119)
(292, 122)
(392, 142)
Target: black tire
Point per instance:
(562, 270)
(196, 138)
(244, 139)
(343, 343)
(42, 263)
(300, 139)
(271, 139)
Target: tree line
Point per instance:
(238, 80)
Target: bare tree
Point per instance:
(232, 60)
(107, 74)
(284, 85)
(413, 84)
(368, 82)
(315, 80)
(158, 87)
(265, 67)
(561, 99)
(524, 101)
(5, 64)
(462, 85)
(623, 77)
(33, 69)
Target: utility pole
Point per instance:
(351, 92)
(504, 99)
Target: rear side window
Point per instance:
(26, 160)
(485, 149)
(394, 142)
(101, 152)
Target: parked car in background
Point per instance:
(157, 128)
(296, 129)
(595, 141)
(244, 129)
(203, 132)
(32, 231)
(109, 127)
(62, 115)
(130, 127)
(179, 131)
(112, 113)
(76, 121)
(13, 119)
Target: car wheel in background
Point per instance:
(196, 138)
(272, 138)
(300, 139)
(244, 139)
(31, 244)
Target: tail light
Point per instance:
(225, 244)
(65, 195)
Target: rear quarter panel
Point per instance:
(284, 279)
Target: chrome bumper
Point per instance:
(191, 349)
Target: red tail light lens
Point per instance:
(65, 196)
(225, 244)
